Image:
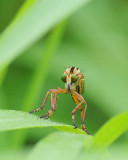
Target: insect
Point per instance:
(74, 84)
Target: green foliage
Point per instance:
(111, 131)
(31, 22)
(39, 39)
(11, 120)
(64, 145)
(60, 143)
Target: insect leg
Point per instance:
(80, 108)
(55, 101)
(53, 104)
(50, 112)
(78, 98)
(82, 122)
(73, 113)
(38, 109)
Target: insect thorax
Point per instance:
(79, 85)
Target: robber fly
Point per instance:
(74, 84)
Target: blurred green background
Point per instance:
(94, 38)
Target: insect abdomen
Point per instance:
(80, 87)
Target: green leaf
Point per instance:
(14, 155)
(59, 145)
(11, 120)
(64, 146)
(114, 128)
(33, 20)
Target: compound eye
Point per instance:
(74, 78)
(63, 78)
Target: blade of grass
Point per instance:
(3, 74)
(33, 21)
(39, 76)
(44, 65)
(113, 129)
(12, 120)
(93, 146)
